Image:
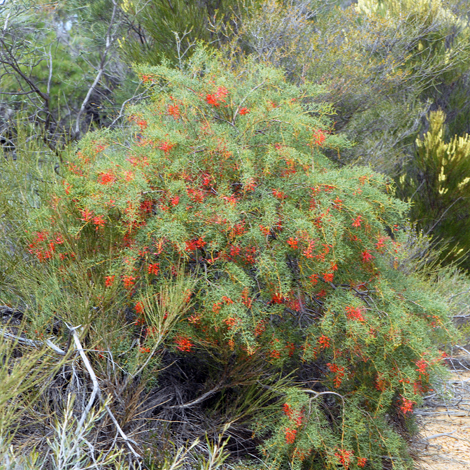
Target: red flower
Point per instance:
(328, 277)
(380, 242)
(166, 146)
(153, 268)
(174, 111)
(139, 307)
(260, 328)
(293, 243)
(314, 279)
(339, 371)
(287, 410)
(128, 281)
(277, 299)
(357, 222)
(142, 124)
(109, 280)
(194, 244)
(324, 342)
(279, 194)
(106, 178)
(344, 457)
(366, 256)
(98, 221)
(212, 100)
(183, 343)
(422, 365)
(338, 203)
(243, 111)
(319, 137)
(275, 354)
(355, 314)
(321, 294)
(264, 230)
(231, 322)
(290, 435)
(407, 406)
(86, 215)
(361, 462)
(174, 201)
(221, 92)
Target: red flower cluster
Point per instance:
(195, 244)
(106, 178)
(357, 221)
(231, 322)
(153, 268)
(407, 406)
(361, 462)
(183, 344)
(422, 365)
(278, 298)
(287, 410)
(86, 215)
(166, 146)
(279, 194)
(344, 457)
(218, 97)
(98, 221)
(380, 242)
(293, 243)
(339, 371)
(366, 256)
(324, 342)
(243, 111)
(290, 435)
(319, 137)
(128, 281)
(355, 314)
(174, 111)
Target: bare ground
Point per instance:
(444, 439)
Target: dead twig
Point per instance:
(97, 392)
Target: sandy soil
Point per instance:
(444, 440)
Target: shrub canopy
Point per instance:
(222, 178)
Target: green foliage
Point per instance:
(167, 30)
(437, 181)
(50, 57)
(222, 178)
(383, 64)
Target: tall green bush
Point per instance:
(222, 178)
(437, 184)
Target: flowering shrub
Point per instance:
(225, 179)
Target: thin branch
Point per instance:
(121, 111)
(104, 59)
(201, 398)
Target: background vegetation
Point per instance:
(233, 233)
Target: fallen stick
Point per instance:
(438, 413)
